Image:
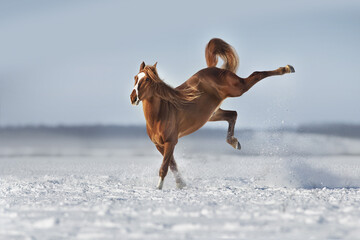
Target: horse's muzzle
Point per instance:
(134, 98)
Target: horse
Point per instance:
(172, 113)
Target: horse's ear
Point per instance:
(155, 65)
(142, 66)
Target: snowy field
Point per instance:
(280, 186)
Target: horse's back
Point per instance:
(210, 81)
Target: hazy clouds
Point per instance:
(73, 62)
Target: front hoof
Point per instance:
(180, 184)
(290, 69)
(160, 184)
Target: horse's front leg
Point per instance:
(168, 155)
(180, 183)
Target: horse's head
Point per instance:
(143, 81)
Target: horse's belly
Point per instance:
(193, 123)
(189, 131)
(198, 114)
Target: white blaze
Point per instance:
(140, 77)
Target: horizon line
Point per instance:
(286, 126)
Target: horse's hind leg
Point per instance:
(257, 76)
(230, 117)
(238, 86)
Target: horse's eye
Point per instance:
(147, 79)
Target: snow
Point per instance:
(93, 191)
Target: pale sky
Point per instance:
(73, 62)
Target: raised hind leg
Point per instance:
(230, 117)
(180, 183)
(238, 86)
(257, 76)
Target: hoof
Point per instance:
(180, 185)
(238, 146)
(290, 69)
(234, 142)
(160, 184)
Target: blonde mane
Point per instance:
(178, 97)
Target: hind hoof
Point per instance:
(290, 69)
(234, 143)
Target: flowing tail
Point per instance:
(217, 47)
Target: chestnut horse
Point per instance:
(172, 113)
